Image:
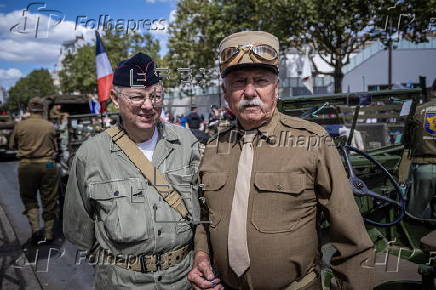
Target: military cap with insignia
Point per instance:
(139, 70)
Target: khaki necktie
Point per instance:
(239, 258)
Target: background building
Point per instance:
(368, 69)
(67, 47)
(3, 95)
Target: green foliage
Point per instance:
(199, 27)
(79, 72)
(334, 28)
(38, 83)
(413, 19)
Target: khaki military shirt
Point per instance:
(296, 173)
(424, 133)
(34, 138)
(109, 203)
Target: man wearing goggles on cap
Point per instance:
(263, 194)
(132, 190)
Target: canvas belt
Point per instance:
(145, 263)
(153, 175)
(424, 159)
(36, 159)
(303, 282)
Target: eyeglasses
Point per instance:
(139, 100)
(257, 52)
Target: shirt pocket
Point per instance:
(180, 177)
(276, 201)
(122, 209)
(213, 183)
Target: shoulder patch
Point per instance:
(430, 120)
(298, 123)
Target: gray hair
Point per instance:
(116, 89)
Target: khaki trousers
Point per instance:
(42, 176)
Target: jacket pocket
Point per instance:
(276, 202)
(213, 183)
(283, 182)
(122, 209)
(180, 177)
(214, 180)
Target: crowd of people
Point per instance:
(218, 118)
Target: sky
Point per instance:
(32, 32)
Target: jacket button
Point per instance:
(159, 232)
(159, 278)
(116, 193)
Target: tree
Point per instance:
(335, 28)
(199, 26)
(38, 83)
(79, 72)
(413, 20)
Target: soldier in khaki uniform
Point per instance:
(138, 239)
(34, 138)
(265, 182)
(421, 139)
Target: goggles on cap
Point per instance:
(257, 52)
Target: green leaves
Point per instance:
(79, 72)
(38, 83)
(332, 27)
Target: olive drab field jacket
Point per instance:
(110, 205)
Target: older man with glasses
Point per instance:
(132, 191)
(266, 182)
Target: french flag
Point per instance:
(104, 73)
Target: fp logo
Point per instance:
(37, 19)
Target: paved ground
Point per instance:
(56, 267)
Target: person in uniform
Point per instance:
(264, 184)
(34, 139)
(136, 229)
(422, 140)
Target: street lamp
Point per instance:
(390, 41)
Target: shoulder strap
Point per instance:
(168, 193)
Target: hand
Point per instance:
(201, 275)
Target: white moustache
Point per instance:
(252, 102)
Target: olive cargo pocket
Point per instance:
(213, 182)
(274, 206)
(122, 208)
(180, 176)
